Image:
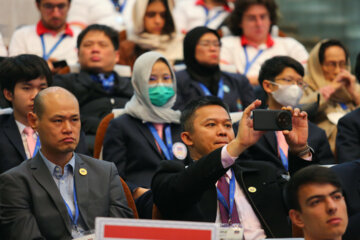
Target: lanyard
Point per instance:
(220, 92)
(209, 20)
(248, 62)
(47, 56)
(74, 219)
(167, 150)
(222, 199)
(118, 6)
(284, 159)
(37, 146)
(343, 106)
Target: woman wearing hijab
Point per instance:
(149, 131)
(153, 29)
(203, 76)
(328, 76)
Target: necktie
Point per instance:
(31, 142)
(223, 187)
(159, 129)
(283, 148)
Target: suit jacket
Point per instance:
(95, 103)
(266, 149)
(130, 145)
(12, 150)
(189, 193)
(350, 181)
(348, 137)
(238, 93)
(31, 206)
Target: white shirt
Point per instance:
(21, 128)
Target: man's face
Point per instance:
(334, 62)
(207, 50)
(256, 23)
(59, 125)
(212, 129)
(53, 13)
(154, 19)
(22, 98)
(97, 53)
(323, 211)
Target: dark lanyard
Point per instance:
(47, 56)
(248, 62)
(118, 6)
(209, 20)
(74, 219)
(220, 92)
(222, 199)
(166, 149)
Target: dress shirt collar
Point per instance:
(41, 29)
(269, 41)
(54, 169)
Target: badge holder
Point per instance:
(231, 232)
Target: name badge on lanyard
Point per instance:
(209, 20)
(248, 62)
(220, 93)
(166, 149)
(46, 56)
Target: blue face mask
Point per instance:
(159, 95)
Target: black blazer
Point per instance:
(131, 146)
(12, 151)
(350, 180)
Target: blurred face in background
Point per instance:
(53, 13)
(154, 19)
(207, 50)
(334, 62)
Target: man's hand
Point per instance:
(298, 136)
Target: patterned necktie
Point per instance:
(31, 142)
(223, 187)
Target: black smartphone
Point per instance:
(272, 120)
(59, 64)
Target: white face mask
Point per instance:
(287, 95)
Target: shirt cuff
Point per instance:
(308, 158)
(226, 159)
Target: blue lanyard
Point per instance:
(209, 20)
(74, 219)
(222, 199)
(37, 146)
(167, 150)
(220, 92)
(118, 6)
(343, 106)
(248, 62)
(47, 56)
(284, 159)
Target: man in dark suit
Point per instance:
(282, 79)
(98, 88)
(21, 77)
(58, 193)
(194, 192)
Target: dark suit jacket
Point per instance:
(95, 102)
(266, 149)
(348, 137)
(189, 193)
(32, 207)
(238, 93)
(12, 151)
(131, 146)
(349, 174)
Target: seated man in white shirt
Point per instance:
(317, 204)
(51, 38)
(194, 192)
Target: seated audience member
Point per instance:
(51, 38)
(58, 193)
(21, 78)
(202, 75)
(282, 79)
(125, 8)
(149, 131)
(348, 137)
(349, 176)
(153, 29)
(97, 87)
(251, 43)
(328, 76)
(190, 193)
(194, 13)
(317, 204)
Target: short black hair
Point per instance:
(330, 43)
(274, 66)
(188, 114)
(308, 175)
(241, 6)
(111, 33)
(23, 68)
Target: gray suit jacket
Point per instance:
(31, 206)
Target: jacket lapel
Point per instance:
(271, 140)
(145, 131)
(12, 132)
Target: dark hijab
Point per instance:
(205, 74)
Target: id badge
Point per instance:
(231, 232)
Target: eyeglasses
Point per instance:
(289, 81)
(50, 7)
(333, 65)
(153, 14)
(207, 44)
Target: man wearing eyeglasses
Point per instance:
(51, 38)
(281, 78)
